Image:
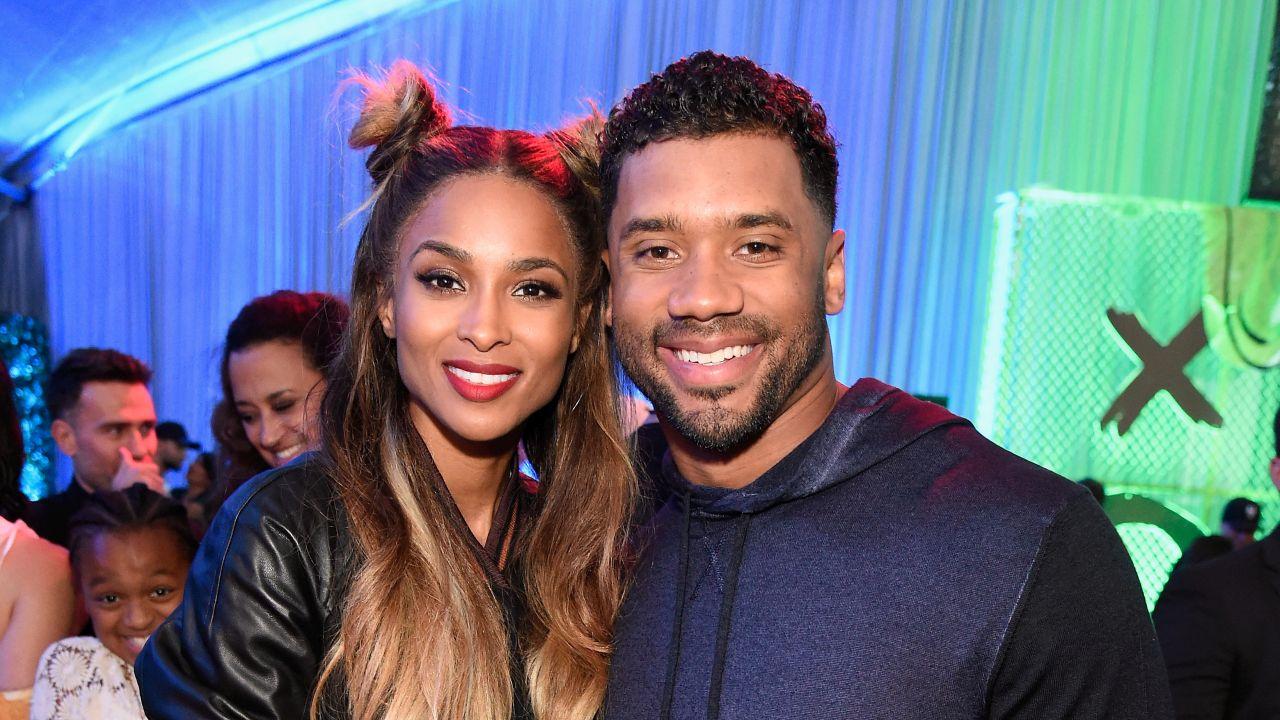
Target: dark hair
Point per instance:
(208, 461)
(134, 508)
(314, 320)
(12, 453)
(1095, 489)
(710, 94)
(86, 365)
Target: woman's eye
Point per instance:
(283, 407)
(440, 281)
(537, 290)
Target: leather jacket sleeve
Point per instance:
(249, 637)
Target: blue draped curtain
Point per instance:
(157, 233)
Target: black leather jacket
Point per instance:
(261, 607)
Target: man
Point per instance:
(172, 444)
(1239, 525)
(826, 552)
(1240, 520)
(104, 420)
(1219, 626)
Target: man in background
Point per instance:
(1219, 628)
(105, 421)
(1240, 520)
(171, 451)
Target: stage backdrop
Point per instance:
(159, 231)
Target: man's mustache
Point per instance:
(683, 328)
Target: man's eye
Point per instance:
(757, 251)
(656, 252)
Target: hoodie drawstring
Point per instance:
(726, 617)
(722, 628)
(677, 627)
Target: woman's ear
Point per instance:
(386, 315)
(580, 328)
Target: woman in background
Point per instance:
(36, 598)
(130, 551)
(407, 570)
(273, 366)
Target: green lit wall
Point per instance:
(1054, 363)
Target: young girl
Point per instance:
(130, 552)
(405, 570)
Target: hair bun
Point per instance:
(398, 113)
(579, 146)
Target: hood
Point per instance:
(871, 422)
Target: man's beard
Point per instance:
(717, 429)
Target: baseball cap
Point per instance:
(170, 430)
(1242, 514)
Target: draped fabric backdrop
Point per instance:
(156, 234)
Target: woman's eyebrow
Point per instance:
(453, 253)
(530, 264)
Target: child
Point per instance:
(130, 552)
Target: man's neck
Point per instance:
(739, 468)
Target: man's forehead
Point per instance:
(711, 178)
(111, 399)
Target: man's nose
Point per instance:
(705, 289)
(140, 444)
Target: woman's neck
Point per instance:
(473, 472)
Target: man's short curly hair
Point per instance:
(710, 94)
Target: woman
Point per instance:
(431, 582)
(36, 598)
(273, 364)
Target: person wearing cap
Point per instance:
(171, 451)
(1240, 520)
(1219, 624)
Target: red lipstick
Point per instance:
(475, 391)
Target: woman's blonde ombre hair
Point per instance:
(422, 634)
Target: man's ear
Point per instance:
(608, 291)
(833, 273)
(64, 436)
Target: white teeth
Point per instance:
(479, 378)
(135, 643)
(289, 453)
(714, 358)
